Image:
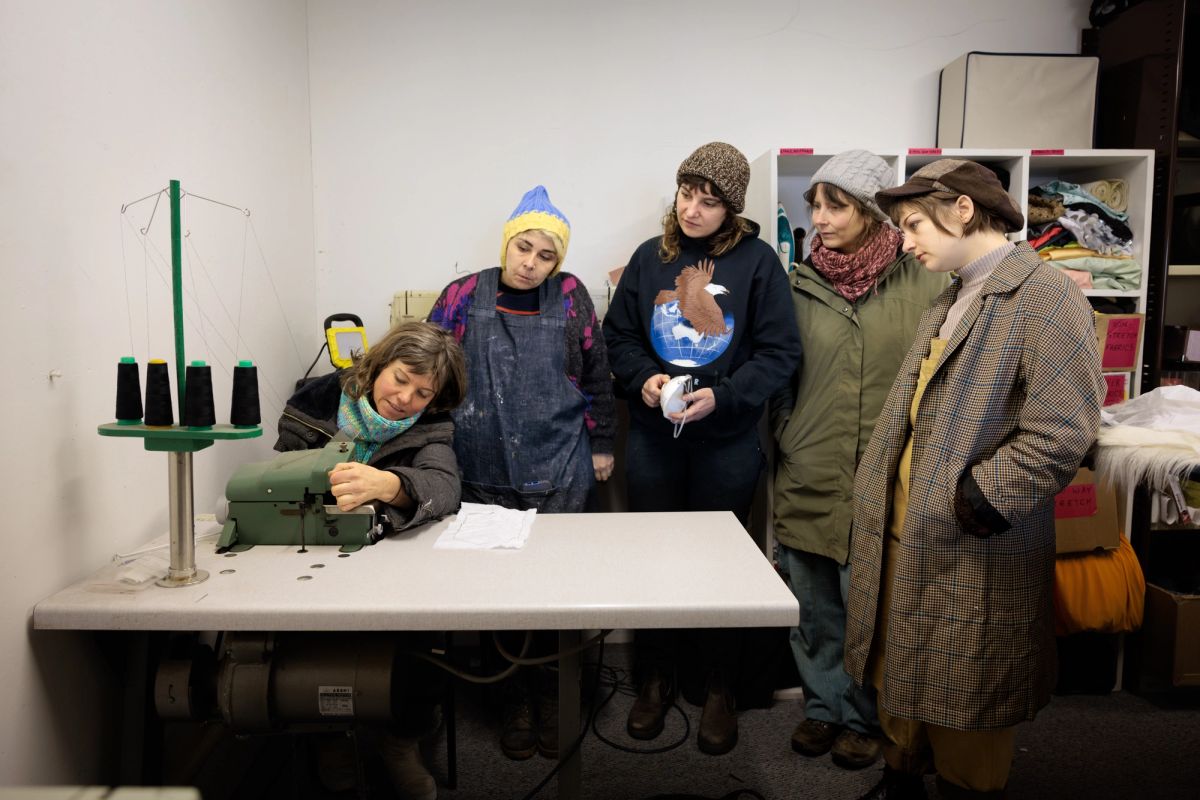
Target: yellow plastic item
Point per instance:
(344, 343)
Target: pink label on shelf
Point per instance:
(1077, 500)
(1115, 391)
(795, 151)
(1120, 345)
(1047, 152)
(924, 151)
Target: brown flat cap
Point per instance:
(957, 177)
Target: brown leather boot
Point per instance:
(718, 721)
(654, 699)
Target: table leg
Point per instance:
(568, 715)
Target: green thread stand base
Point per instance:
(177, 438)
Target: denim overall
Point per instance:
(520, 435)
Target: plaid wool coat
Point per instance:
(1015, 399)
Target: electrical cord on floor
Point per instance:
(619, 686)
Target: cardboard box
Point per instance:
(1023, 100)
(1085, 516)
(1120, 337)
(1171, 637)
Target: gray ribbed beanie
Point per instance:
(859, 174)
(724, 166)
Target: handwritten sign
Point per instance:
(1121, 343)
(795, 151)
(1077, 500)
(1116, 384)
(1046, 152)
(924, 151)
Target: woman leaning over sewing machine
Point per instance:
(394, 403)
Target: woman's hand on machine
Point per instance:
(353, 484)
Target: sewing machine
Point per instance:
(287, 501)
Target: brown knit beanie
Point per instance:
(722, 165)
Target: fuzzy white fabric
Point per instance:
(1127, 455)
(1151, 438)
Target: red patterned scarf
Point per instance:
(853, 274)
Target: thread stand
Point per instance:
(179, 441)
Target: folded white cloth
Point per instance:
(483, 527)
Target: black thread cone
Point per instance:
(244, 407)
(198, 409)
(158, 394)
(129, 392)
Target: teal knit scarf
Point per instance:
(369, 429)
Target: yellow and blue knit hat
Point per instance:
(536, 212)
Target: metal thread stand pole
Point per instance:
(183, 570)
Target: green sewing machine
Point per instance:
(286, 501)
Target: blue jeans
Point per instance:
(820, 585)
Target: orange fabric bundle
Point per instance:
(1102, 591)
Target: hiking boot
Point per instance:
(814, 737)
(518, 738)
(854, 750)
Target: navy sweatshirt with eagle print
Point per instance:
(725, 320)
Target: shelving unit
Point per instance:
(784, 174)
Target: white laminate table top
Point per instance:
(577, 571)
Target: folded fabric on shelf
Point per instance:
(1113, 192)
(1109, 274)
(1044, 209)
(1074, 193)
(1118, 227)
(1091, 231)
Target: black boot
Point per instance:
(655, 698)
(897, 785)
(952, 791)
(718, 721)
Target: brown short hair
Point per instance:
(732, 230)
(937, 206)
(421, 346)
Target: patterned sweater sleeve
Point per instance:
(587, 364)
(450, 310)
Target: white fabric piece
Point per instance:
(483, 527)
(1150, 438)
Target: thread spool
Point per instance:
(158, 394)
(244, 411)
(198, 409)
(129, 392)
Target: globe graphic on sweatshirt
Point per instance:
(678, 342)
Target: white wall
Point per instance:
(428, 121)
(102, 103)
(431, 119)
